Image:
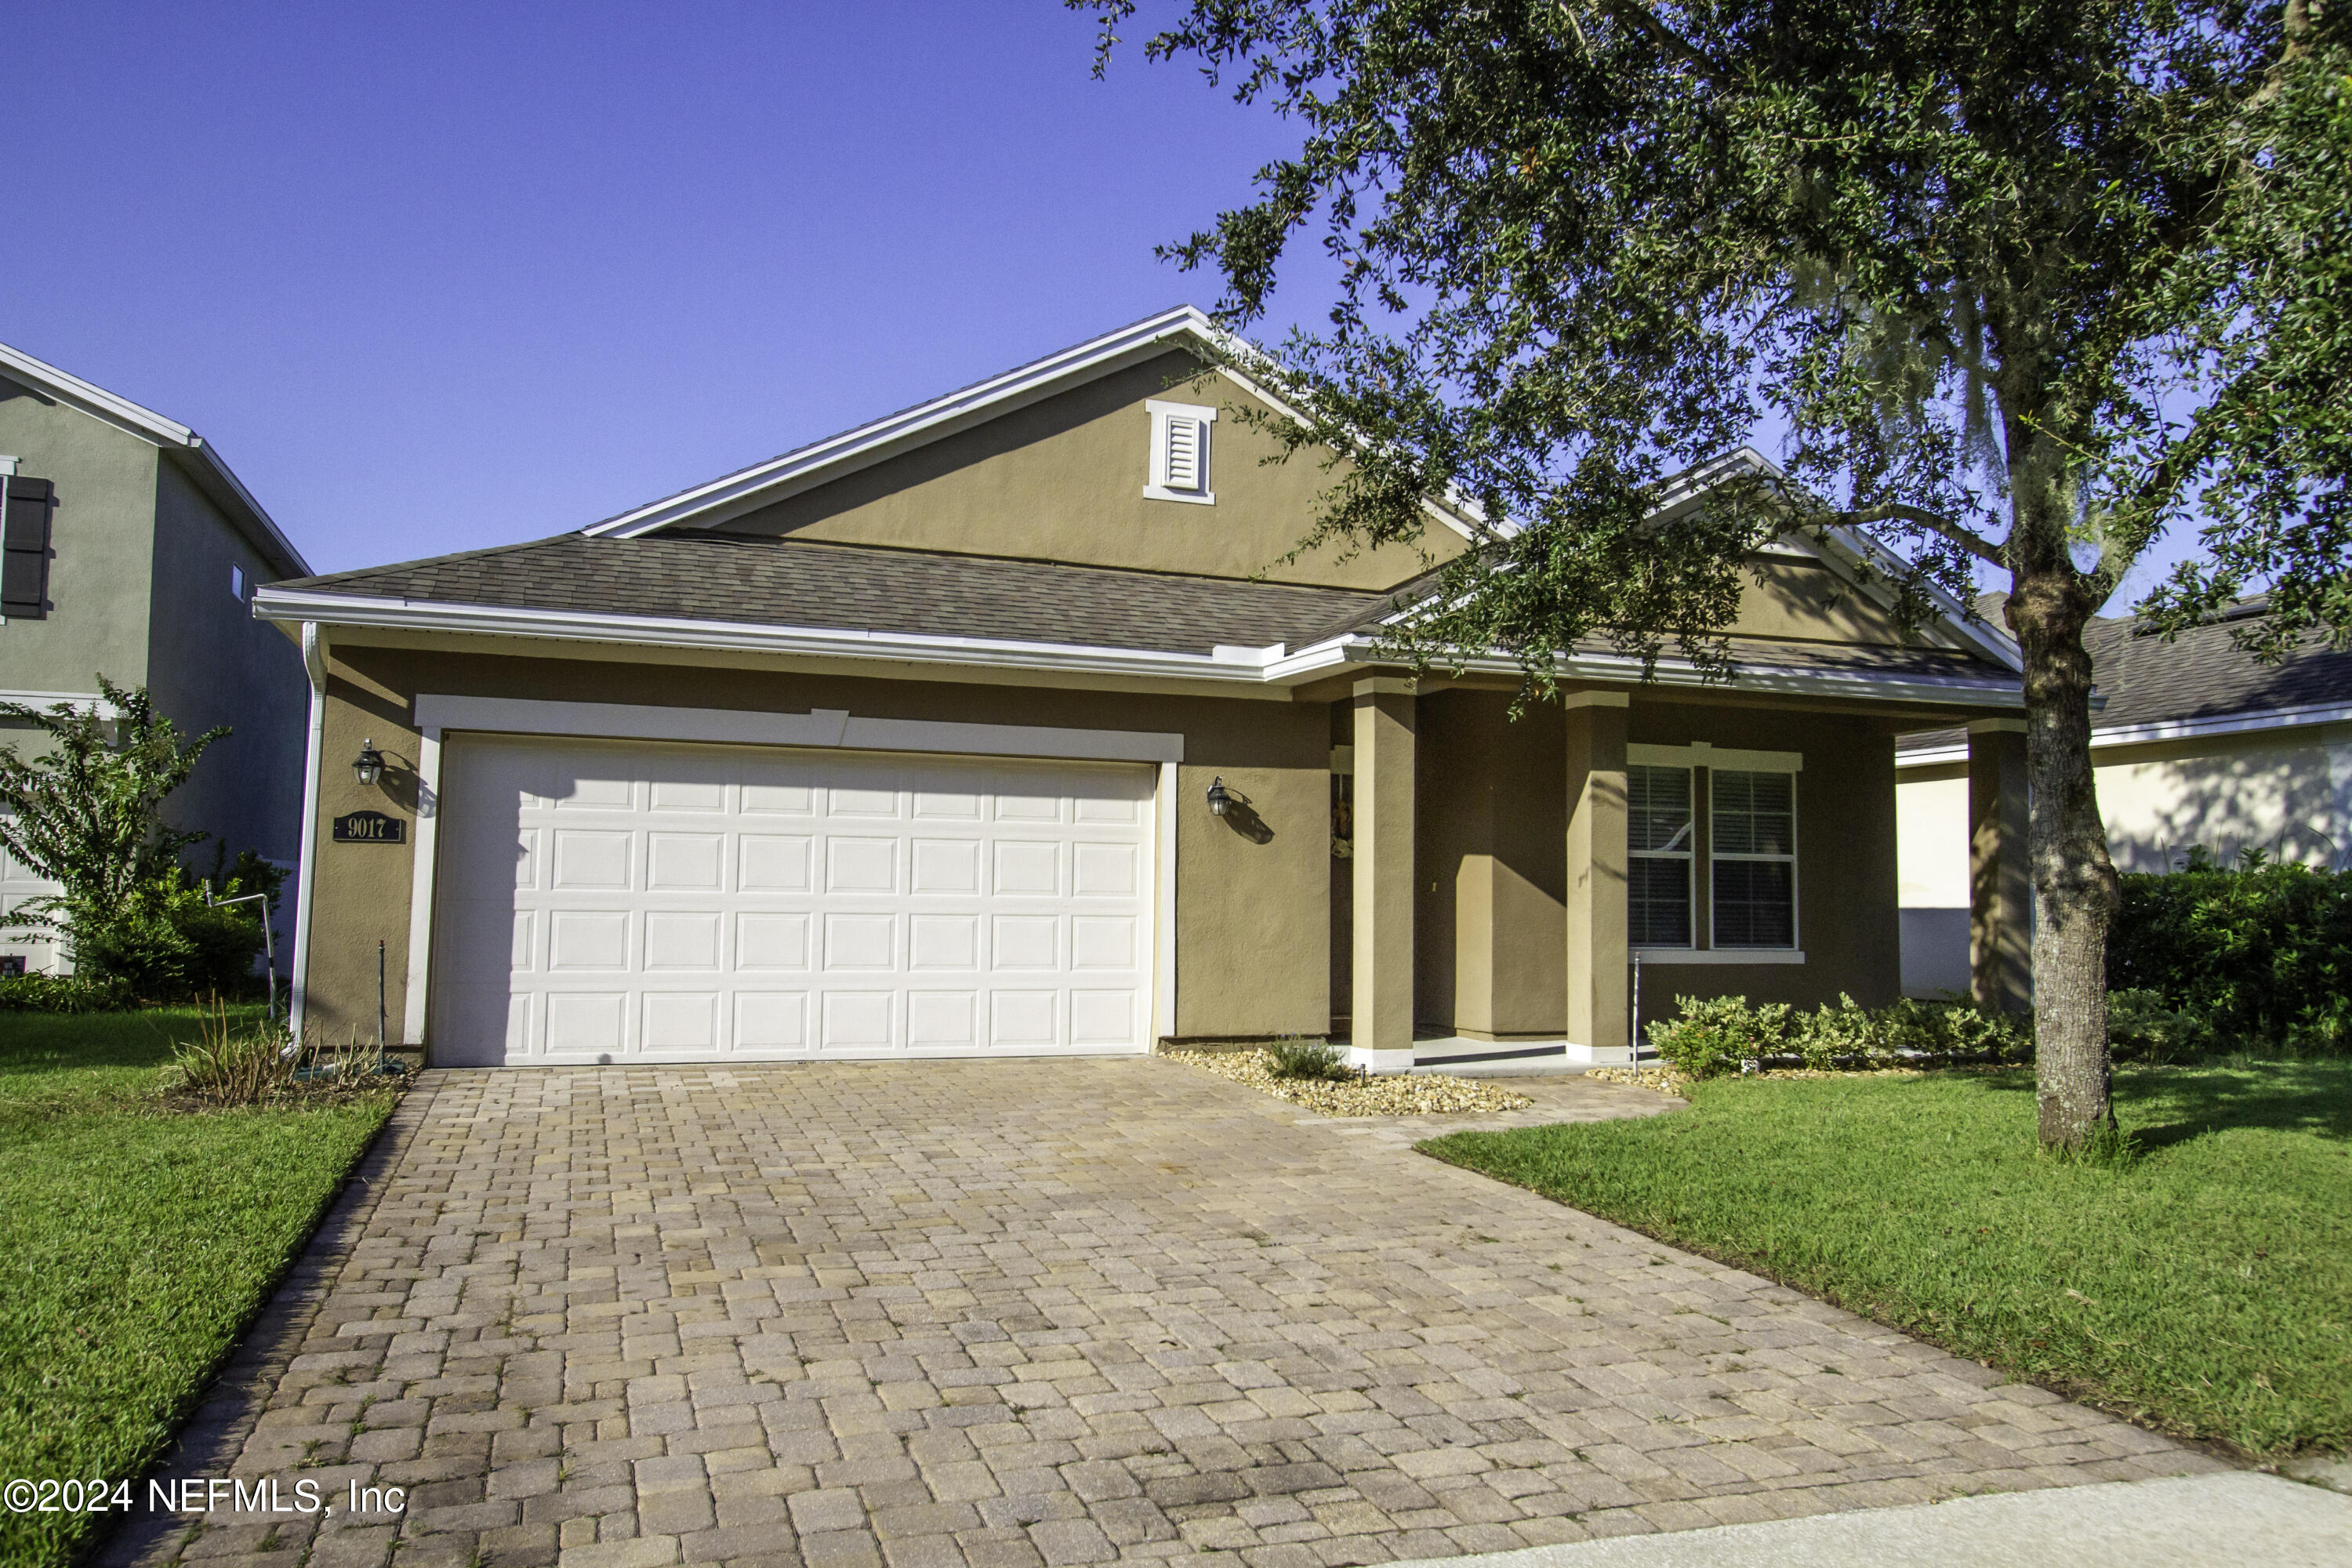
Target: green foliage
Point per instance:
(167, 943)
(1292, 1056)
(87, 814)
(1717, 1035)
(2195, 1271)
(2143, 1028)
(2262, 953)
(63, 993)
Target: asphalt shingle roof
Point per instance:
(701, 577)
(2200, 675)
(693, 575)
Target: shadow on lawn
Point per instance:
(2291, 1096)
(2160, 1109)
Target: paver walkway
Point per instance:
(1017, 1314)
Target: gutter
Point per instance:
(314, 664)
(1272, 665)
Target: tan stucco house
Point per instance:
(904, 743)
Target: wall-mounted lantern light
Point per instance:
(1220, 797)
(368, 766)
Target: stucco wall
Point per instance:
(1808, 601)
(1252, 918)
(100, 531)
(1846, 858)
(1063, 479)
(212, 663)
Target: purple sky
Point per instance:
(435, 278)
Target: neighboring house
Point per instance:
(133, 551)
(1011, 724)
(2197, 746)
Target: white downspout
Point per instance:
(314, 664)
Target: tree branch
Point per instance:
(1966, 538)
(1643, 20)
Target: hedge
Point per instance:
(2262, 953)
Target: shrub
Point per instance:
(1293, 1057)
(166, 943)
(2262, 953)
(62, 994)
(2142, 1027)
(1717, 1035)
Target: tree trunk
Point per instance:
(2075, 891)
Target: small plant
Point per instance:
(1294, 1057)
(227, 1066)
(2143, 1028)
(1715, 1035)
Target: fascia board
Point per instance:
(94, 401)
(359, 610)
(774, 481)
(2304, 716)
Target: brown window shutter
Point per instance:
(25, 550)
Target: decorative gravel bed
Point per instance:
(1417, 1094)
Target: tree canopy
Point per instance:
(2023, 286)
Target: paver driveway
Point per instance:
(1020, 1313)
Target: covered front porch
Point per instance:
(1545, 886)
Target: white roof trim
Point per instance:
(763, 484)
(1272, 665)
(149, 426)
(2302, 716)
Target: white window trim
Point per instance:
(824, 728)
(1699, 754)
(1161, 412)
(1796, 899)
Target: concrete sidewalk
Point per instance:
(2195, 1521)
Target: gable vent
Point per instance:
(1180, 452)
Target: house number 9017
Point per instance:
(370, 827)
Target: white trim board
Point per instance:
(1679, 955)
(88, 701)
(2307, 715)
(820, 727)
(1699, 754)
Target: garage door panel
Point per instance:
(771, 940)
(685, 862)
(776, 862)
(622, 901)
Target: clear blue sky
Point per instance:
(440, 277)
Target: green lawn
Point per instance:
(2204, 1287)
(134, 1243)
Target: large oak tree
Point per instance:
(2026, 283)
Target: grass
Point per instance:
(134, 1243)
(2203, 1286)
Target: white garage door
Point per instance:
(620, 902)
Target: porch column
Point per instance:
(1598, 1016)
(2001, 886)
(1380, 1010)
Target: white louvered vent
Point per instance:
(1180, 452)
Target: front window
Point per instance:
(1659, 828)
(1754, 852)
